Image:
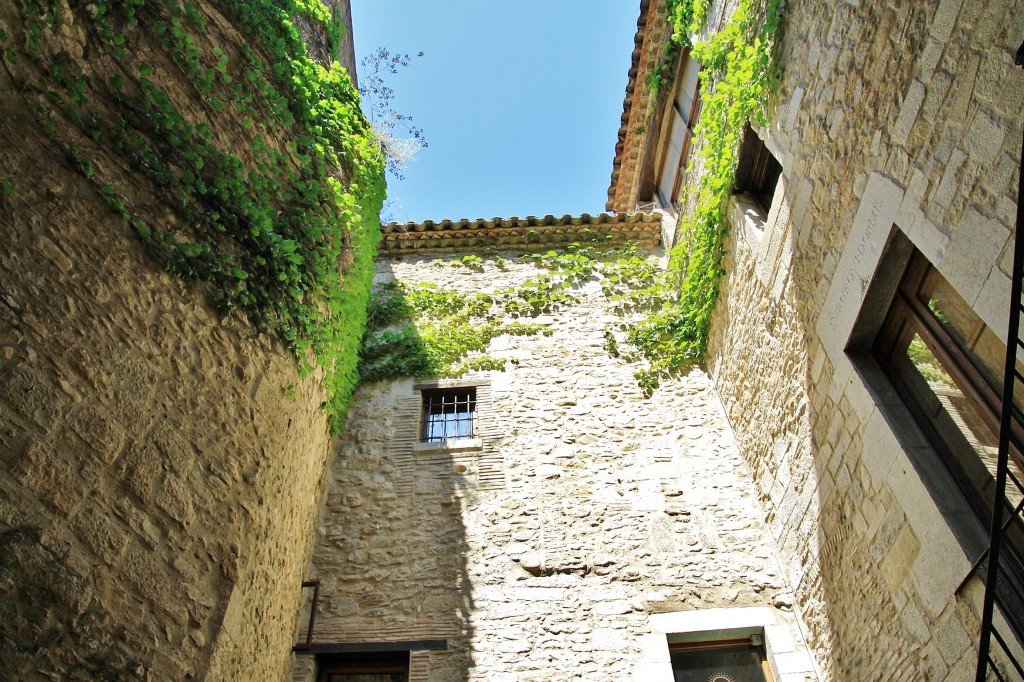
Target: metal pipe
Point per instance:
(315, 584)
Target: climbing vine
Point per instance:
(739, 78)
(685, 17)
(242, 165)
(421, 330)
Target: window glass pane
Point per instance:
(720, 664)
(689, 83)
(979, 342)
(448, 414)
(957, 423)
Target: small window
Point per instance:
(737, 660)
(757, 172)
(382, 666)
(448, 414)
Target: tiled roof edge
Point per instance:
(649, 27)
(515, 232)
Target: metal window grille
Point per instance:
(448, 414)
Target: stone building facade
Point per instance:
(157, 486)
(897, 129)
(159, 489)
(579, 531)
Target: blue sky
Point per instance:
(519, 101)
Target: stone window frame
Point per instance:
(788, 659)
(916, 439)
(939, 484)
(475, 443)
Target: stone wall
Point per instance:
(902, 114)
(547, 553)
(157, 486)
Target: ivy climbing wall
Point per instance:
(160, 456)
(587, 510)
(892, 118)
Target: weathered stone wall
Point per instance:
(544, 555)
(900, 113)
(157, 487)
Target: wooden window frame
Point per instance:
(957, 477)
(690, 119)
(907, 316)
(757, 170)
(754, 642)
(363, 663)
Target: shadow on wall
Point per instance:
(874, 566)
(758, 357)
(390, 547)
(152, 477)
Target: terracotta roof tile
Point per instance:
(531, 232)
(652, 32)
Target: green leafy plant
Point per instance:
(742, 72)
(281, 228)
(423, 330)
(685, 18)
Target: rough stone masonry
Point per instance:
(542, 554)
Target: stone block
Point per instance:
(909, 110)
(532, 594)
(99, 431)
(939, 568)
(176, 499)
(867, 237)
(51, 475)
(102, 532)
(945, 190)
(797, 662)
(880, 447)
(993, 303)
(915, 501)
(28, 395)
(930, 58)
(928, 239)
(910, 207)
(899, 558)
(794, 108)
(984, 138)
(945, 20)
(973, 249)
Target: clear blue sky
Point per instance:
(519, 101)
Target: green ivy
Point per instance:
(686, 17)
(740, 77)
(282, 228)
(422, 330)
